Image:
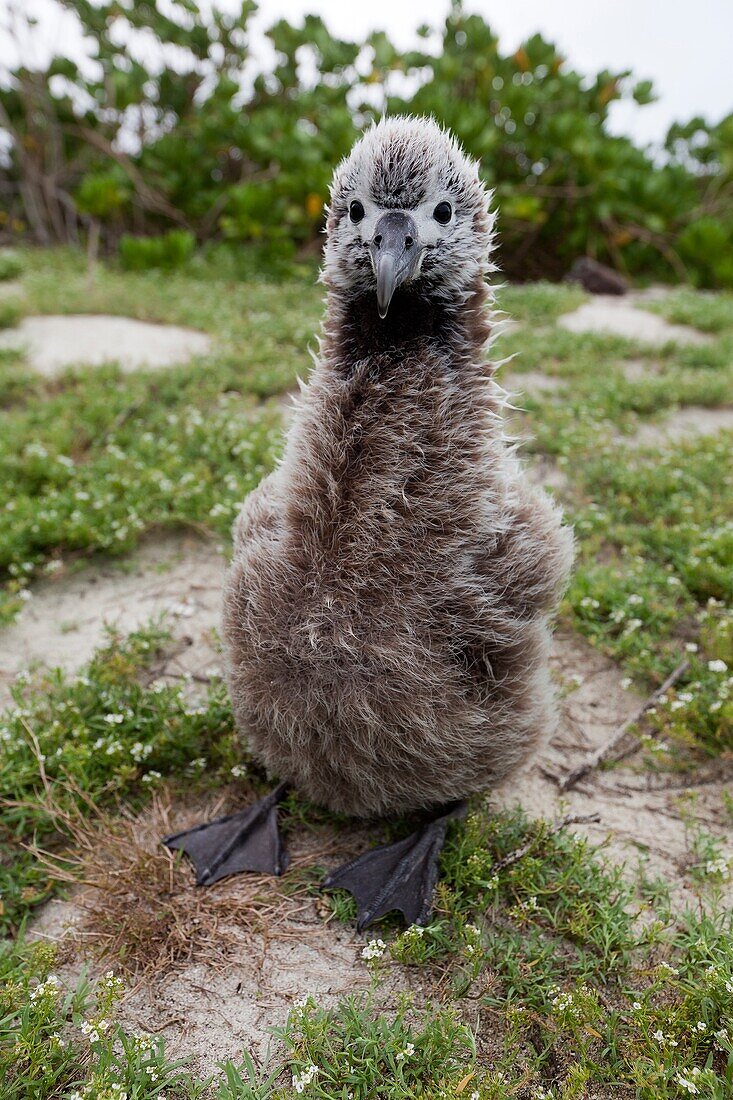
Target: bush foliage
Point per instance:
(197, 139)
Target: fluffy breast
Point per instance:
(376, 659)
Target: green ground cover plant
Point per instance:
(197, 439)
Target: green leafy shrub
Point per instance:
(254, 166)
(101, 194)
(168, 251)
(707, 247)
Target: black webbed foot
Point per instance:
(245, 841)
(397, 876)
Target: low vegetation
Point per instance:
(552, 971)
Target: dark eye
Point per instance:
(442, 212)
(356, 210)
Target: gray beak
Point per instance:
(395, 253)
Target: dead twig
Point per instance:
(593, 759)
(562, 823)
(195, 676)
(121, 419)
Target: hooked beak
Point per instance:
(395, 253)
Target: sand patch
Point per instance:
(685, 423)
(638, 370)
(208, 1014)
(530, 383)
(54, 343)
(178, 578)
(619, 317)
(12, 289)
(641, 813)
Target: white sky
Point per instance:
(684, 46)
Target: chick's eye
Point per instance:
(356, 210)
(443, 212)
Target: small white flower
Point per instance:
(692, 647)
(300, 1080)
(717, 666)
(686, 1084)
(238, 771)
(636, 1006)
(374, 950)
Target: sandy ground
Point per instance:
(530, 382)
(685, 423)
(621, 317)
(11, 289)
(210, 1007)
(177, 579)
(54, 343)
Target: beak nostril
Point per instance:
(378, 239)
(409, 242)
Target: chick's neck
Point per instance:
(355, 333)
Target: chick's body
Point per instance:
(387, 609)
